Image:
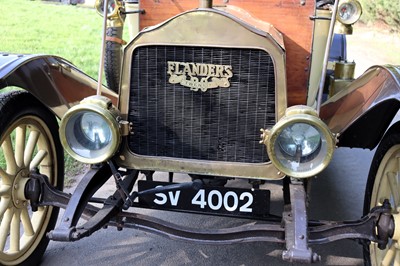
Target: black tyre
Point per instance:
(384, 183)
(113, 57)
(28, 138)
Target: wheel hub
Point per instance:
(17, 191)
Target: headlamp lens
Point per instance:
(346, 11)
(90, 131)
(301, 148)
(95, 130)
(349, 12)
(88, 134)
(300, 145)
(111, 7)
(299, 141)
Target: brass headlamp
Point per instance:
(300, 145)
(349, 12)
(112, 8)
(90, 131)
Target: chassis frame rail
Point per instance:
(295, 229)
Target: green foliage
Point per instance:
(387, 11)
(38, 27)
(72, 169)
(71, 32)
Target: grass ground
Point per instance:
(373, 45)
(42, 27)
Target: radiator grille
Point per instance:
(221, 124)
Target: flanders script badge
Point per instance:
(197, 76)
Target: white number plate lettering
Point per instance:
(229, 201)
(217, 200)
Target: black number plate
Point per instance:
(211, 200)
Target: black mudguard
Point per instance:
(57, 83)
(362, 112)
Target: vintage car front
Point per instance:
(219, 92)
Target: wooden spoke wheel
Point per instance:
(384, 183)
(28, 139)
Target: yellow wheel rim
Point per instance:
(387, 186)
(27, 143)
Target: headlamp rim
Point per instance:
(306, 119)
(355, 17)
(111, 120)
(99, 4)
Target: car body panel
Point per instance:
(362, 112)
(53, 80)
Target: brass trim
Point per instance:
(241, 170)
(214, 76)
(222, 30)
(205, 3)
(344, 70)
(355, 17)
(102, 106)
(300, 114)
(132, 18)
(218, 35)
(116, 17)
(320, 37)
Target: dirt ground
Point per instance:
(373, 45)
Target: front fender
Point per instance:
(362, 113)
(53, 80)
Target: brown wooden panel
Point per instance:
(288, 16)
